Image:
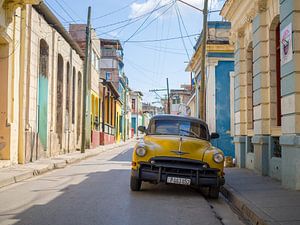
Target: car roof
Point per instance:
(177, 117)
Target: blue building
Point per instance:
(219, 68)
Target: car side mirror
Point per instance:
(142, 129)
(214, 135)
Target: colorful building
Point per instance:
(266, 98)
(41, 78)
(110, 109)
(179, 99)
(219, 69)
(94, 90)
(136, 110)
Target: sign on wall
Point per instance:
(286, 44)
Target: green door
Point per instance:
(43, 109)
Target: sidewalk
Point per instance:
(17, 173)
(260, 199)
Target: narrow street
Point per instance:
(96, 191)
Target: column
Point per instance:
(240, 101)
(261, 102)
(290, 92)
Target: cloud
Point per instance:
(138, 9)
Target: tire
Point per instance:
(214, 192)
(135, 184)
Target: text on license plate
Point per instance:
(179, 180)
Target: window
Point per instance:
(249, 145)
(276, 147)
(176, 100)
(108, 76)
(133, 104)
(175, 127)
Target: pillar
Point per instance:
(290, 93)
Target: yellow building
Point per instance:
(266, 84)
(109, 114)
(12, 38)
(118, 122)
(40, 84)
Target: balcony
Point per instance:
(112, 53)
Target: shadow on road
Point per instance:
(105, 198)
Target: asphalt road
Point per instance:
(96, 191)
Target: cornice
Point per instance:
(10, 7)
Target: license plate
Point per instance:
(179, 180)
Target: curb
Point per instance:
(245, 208)
(30, 170)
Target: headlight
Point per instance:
(218, 158)
(140, 151)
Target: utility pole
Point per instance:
(85, 74)
(168, 94)
(203, 57)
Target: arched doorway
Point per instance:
(275, 78)
(59, 97)
(43, 93)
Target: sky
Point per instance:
(139, 25)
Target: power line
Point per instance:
(164, 12)
(73, 11)
(143, 22)
(181, 18)
(155, 49)
(56, 12)
(114, 11)
(183, 42)
(130, 21)
(67, 13)
(163, 39)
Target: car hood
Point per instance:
(176, 146)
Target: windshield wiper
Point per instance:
(190, 132)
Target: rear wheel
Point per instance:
(135, 184)
(214, 192)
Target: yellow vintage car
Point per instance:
(177, 150)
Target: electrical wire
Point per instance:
(157, 50)
(158, 16)
(163, 39)
(66, 12)
(182, 39)
(137, 30)
(129, 22)
(55, 11)
(181, 18)
(114, 11)
(73, 11)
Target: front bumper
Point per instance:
(160, 168)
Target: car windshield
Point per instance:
(178, 127)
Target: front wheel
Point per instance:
(214, 192)
(135, 184)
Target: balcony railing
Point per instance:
(108, 129)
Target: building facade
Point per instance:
(94, 87)
(179, 99)
(266, 84)
(219, 68)
(41, 82)
(12, 31)
(136, 111)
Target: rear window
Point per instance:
(178, 127)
